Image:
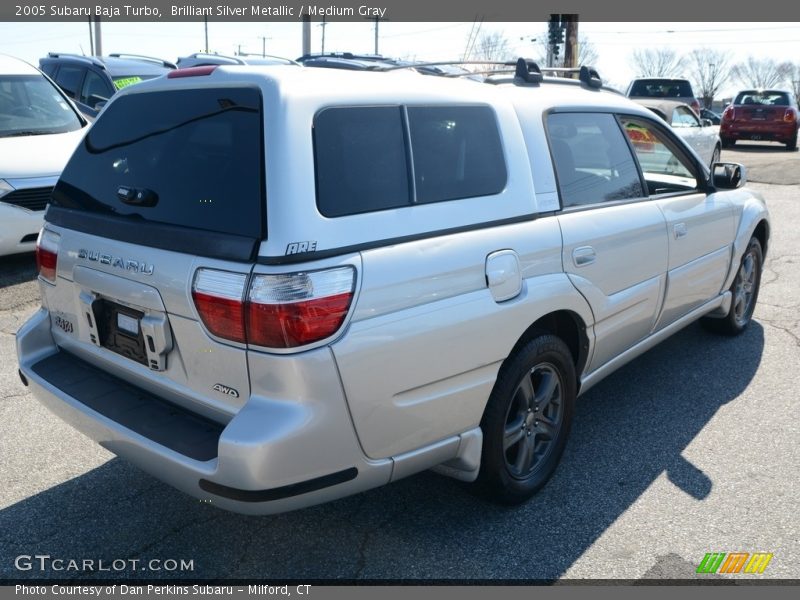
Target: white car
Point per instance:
(700, 134)
(39, 129)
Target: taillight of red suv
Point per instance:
(790, 115)
(696, 106)
(282, 311)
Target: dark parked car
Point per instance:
(664, 88)
(200, 59)
(770, 115)
(715, 118)
(91, 81)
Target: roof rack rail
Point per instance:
(92, 59)
(524, 69)
(586, 75)
(152, 59)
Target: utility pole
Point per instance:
(324, 24)
(264, 45)
(205, 22)
(377, 21)
(571, 44)
(91, 38)
(306, 35)
(98, 38)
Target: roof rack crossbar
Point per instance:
(524, 69)
(587, 75)
(528, 71)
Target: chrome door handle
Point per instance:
(583, 256)
(679, 230)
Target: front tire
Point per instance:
(715, 156)
(745, 293)
(527, 420)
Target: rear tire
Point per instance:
(745, 293)
(727, 142)
(527, 420)
(792, 144)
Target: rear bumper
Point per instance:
(273, 456)
(772, 131)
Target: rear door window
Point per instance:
(69, 79)
(95, 90)
(191, 158)
(361, 160)
(376, 158)
(457, 152)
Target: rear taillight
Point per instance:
(219, 298)
(729, 114)
(789, 115)
(296, 309)
(696, 107)
(280, 311)
(47, 255)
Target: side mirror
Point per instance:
(728, 176)
(706, 122)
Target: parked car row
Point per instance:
(756, 114)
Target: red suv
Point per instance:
(770, 115)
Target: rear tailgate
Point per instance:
(761, 113)
(164, 184)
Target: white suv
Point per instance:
(39, 130)
(272, 287)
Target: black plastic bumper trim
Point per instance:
(156, 419)
(286, 491)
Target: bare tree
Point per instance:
(492, 46)
(710, 70)
(760, 73)
(656, 62)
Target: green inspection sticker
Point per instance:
(126, 81)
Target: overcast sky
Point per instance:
(614, 42)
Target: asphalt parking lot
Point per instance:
(692, 448)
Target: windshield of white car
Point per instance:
(31, 105)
